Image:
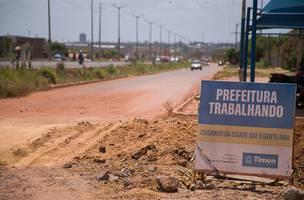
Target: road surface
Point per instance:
(68, 64)
(24, 119)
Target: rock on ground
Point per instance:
(167, 184)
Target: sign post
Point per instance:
(246, 129)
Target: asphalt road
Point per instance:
(68, 64)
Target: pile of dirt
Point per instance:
(128, 161)
(135, 159)
(139, 150)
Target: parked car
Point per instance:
(196, 64)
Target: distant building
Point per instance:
(82, 38)
(36, 46)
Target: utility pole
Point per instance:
(175, 43)
(203, 37)
(50, 37)
(92, 31)
(99, 41)
(180, 45)
(118, 9)
(169, 42)
(236, 36)
(160, 38)
(150, 38)
(137, 18)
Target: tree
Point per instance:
(232, 55)
(59, 48)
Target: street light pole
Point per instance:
(169, 42)
(99, 42)
(236, 35)
(160, 38)
(118, 8)
(137, 17)
(175, 43)
(150, 38)
(50, 37)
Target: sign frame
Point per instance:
(217, 171)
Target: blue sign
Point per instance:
(262, 105)
(260, 160)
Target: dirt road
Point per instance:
(24, 119)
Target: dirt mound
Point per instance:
(123, 161)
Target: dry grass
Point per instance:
(169, 107)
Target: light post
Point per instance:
(169, 42)
(137, 18)
(118, 27)
(160, 38)
(150, 38)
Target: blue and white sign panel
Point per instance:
(246, 128)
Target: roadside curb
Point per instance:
(51, 87)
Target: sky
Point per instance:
(196, 20)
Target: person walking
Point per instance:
(80, 57)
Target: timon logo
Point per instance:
(260, 160)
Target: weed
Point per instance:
(111, 70)
(100, 73)
(60, 67)
(169, 107)
(49, 74)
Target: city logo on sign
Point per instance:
(260, 160)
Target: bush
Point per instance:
(60, 67)
(49, 74)
(100, 73)
(14, 83)
(141, 68)
(30, 65)
(111, 70)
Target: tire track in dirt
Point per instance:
(65, 144)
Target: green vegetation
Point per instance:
(233, 72)
(232, 56)
(15, 83)
(108, 54)
(49, 74)
(271, 51)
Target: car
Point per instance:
(157, 60)
(127, 58)
(196, 64)
(220, 63)
(58, 57)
